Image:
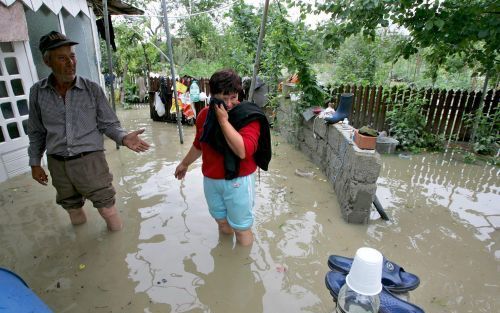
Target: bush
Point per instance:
(131, 93)
(487, 138)
(407, 124)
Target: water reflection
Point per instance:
(182, 262)
(231, 284)
(170, 235)
(170, 258)
(435, 181)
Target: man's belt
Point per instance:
(69, 158)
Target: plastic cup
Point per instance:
(365, 276)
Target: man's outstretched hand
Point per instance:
(134, 142)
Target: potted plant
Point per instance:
(365, 138)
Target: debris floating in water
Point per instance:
(303, 173)
(281, 269)
(405, 156)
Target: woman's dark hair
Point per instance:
(225, 81)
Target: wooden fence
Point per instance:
(445, 111)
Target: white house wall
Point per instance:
(15, 82)
(13, 23)
(72, 6)
(72, 17)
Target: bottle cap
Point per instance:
(365, 276)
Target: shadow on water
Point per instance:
(170, 258)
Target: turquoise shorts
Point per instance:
(231, 200)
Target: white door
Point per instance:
(15, 82)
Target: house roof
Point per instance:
(74, 7)
(115, 7)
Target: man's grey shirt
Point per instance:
(72, 126)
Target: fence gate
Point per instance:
(15, 81)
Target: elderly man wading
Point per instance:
(68, 115)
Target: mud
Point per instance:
(445, 227)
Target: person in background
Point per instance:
(233, 138)
(67, 119)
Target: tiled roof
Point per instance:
(74, 7)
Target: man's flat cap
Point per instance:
(54, 40)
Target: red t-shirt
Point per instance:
(213, 162)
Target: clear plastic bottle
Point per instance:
(345, 123)
(349, 301)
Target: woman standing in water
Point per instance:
(233, 138)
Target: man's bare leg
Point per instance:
(77, 216)
(112, 218)
(244, 237)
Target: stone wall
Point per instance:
(352, 172)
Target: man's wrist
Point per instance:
(35, 162)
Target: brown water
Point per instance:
(445, 222)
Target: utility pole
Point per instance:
(172, 69)
(259, 48)
(110, 57)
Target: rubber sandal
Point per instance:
(389, 303)
(394, 277)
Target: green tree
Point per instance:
(286, 46)
(469, 28)
(356, 61)
(134, 56)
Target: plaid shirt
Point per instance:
(72, 126)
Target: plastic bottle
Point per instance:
(194, 91)
(349, 301)
(345, 123)
(360, 293)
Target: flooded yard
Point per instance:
(444, 227)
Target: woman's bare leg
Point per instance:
(244, 237)
(224, 227)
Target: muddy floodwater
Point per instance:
(444, 227)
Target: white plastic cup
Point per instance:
(365, 276)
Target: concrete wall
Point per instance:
(352, 172)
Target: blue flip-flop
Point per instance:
(394, 277)
(389, 303)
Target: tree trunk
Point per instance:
(418, 64)
(480, 109)
(148, 64)
(473, 82)
(390, 74)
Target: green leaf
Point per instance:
(483, 33)
(439, 23)
(429, 24)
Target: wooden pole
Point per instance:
(259, 48)
(110, 56)
(172, 69)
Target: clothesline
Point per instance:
(188, 15)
